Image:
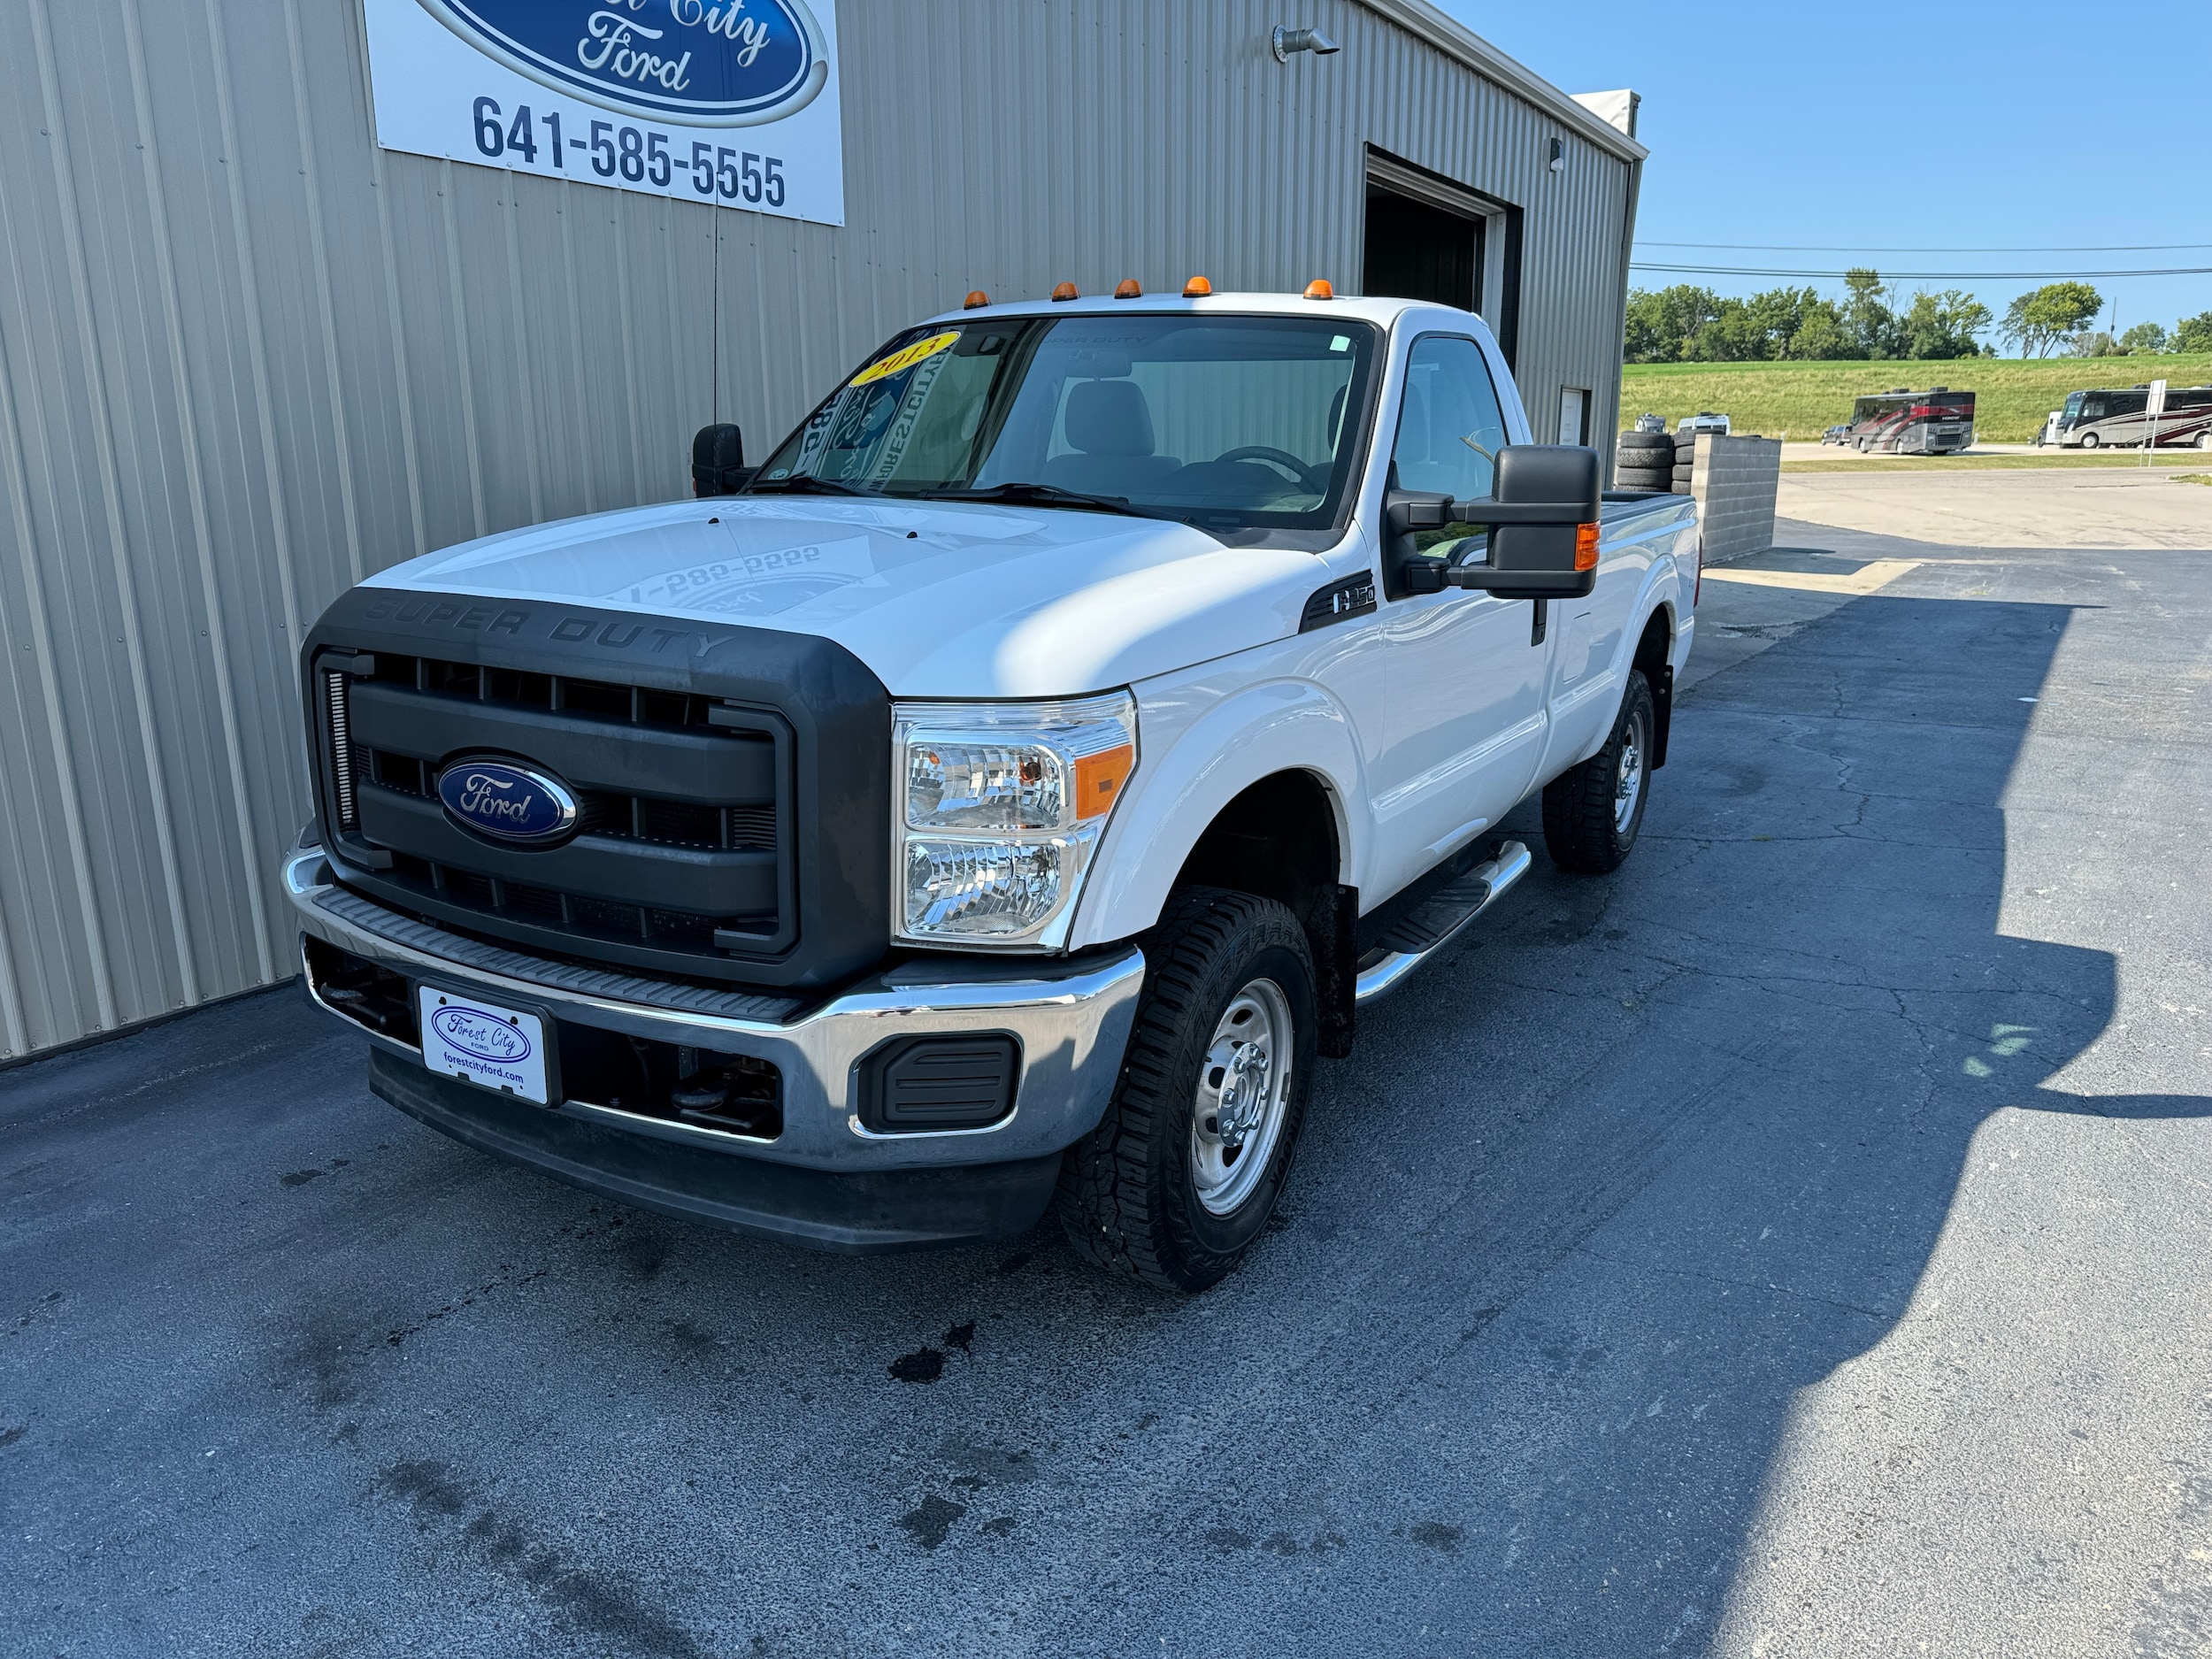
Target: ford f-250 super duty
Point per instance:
(1004, 794)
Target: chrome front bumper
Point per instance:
(1073, 1020)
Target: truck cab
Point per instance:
(1006, 796)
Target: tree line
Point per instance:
(1687, 324)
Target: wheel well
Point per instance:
(1655, 658)
(1278, 841)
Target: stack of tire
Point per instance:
(1645, 460)
(1685, 458)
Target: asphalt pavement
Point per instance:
(1793, 1244)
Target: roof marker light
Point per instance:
(1065, 291)
(1320, 289)
(1197, 288)
(1128, 288)
(977, 298)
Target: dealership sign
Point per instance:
(733, 102)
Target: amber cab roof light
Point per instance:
(977, 298)
(1064, 291)
(1320, 289)
(1197, 288)
(1128, 288)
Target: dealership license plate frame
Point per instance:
(535, 1021)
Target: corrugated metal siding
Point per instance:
(246, 358)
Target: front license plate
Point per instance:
(492, 1047)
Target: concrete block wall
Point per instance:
(1733, 481)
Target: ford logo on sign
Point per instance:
(510, 803)
(702, 63)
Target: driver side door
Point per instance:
(1466, 671)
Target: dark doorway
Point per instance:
(1416, 251)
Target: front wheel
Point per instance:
(1180, 1176)
(1591, 813)
(2089, 441)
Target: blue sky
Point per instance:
(1961, 126)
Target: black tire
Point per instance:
(1129, 1191)
(1643, 442)
(1584, 828)
(1680, 486)
(2089, 441)
(1645, 477)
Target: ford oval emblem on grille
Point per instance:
(514, 803)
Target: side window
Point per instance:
(1449, 426)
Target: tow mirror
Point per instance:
(1543, 522)
(718, 462)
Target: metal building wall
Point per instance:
(246, 358)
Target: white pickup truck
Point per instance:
(1002, 796)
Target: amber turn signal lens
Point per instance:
(1128, 288)
(1197, 288)
(1098, 778)
(1320, 289)
(1065, 291)
(976, 297)
(1585, 547)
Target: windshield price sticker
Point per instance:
(729, 102)
(906, 358)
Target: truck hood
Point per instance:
(950, 599)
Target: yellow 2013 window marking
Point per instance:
(906, 358)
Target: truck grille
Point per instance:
(683, 857)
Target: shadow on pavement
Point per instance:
(1595, 1200)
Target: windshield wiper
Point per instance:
(1041, 495)
(806, 484)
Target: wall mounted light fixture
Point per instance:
(1288, 41)
(1559, 155)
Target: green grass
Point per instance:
(1802, 399)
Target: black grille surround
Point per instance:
(735, 782)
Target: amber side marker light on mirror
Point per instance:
(1197, 288)
(1098, 778)
(1065, 291)
(1586, 547)
(1320, 289)
(1128, 288)
(976, 299)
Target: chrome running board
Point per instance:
(1437, 921)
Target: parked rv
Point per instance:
(1938, 421)
(2120, 418)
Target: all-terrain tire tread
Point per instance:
(1106, 1199)
(1578, 830)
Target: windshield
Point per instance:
(1220, 421)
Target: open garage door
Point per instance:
(1429, 238)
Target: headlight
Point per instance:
(1000, 808)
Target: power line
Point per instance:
(1784, 247)
(1917, 276)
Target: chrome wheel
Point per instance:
(1243, 1096)
(1628, 782)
